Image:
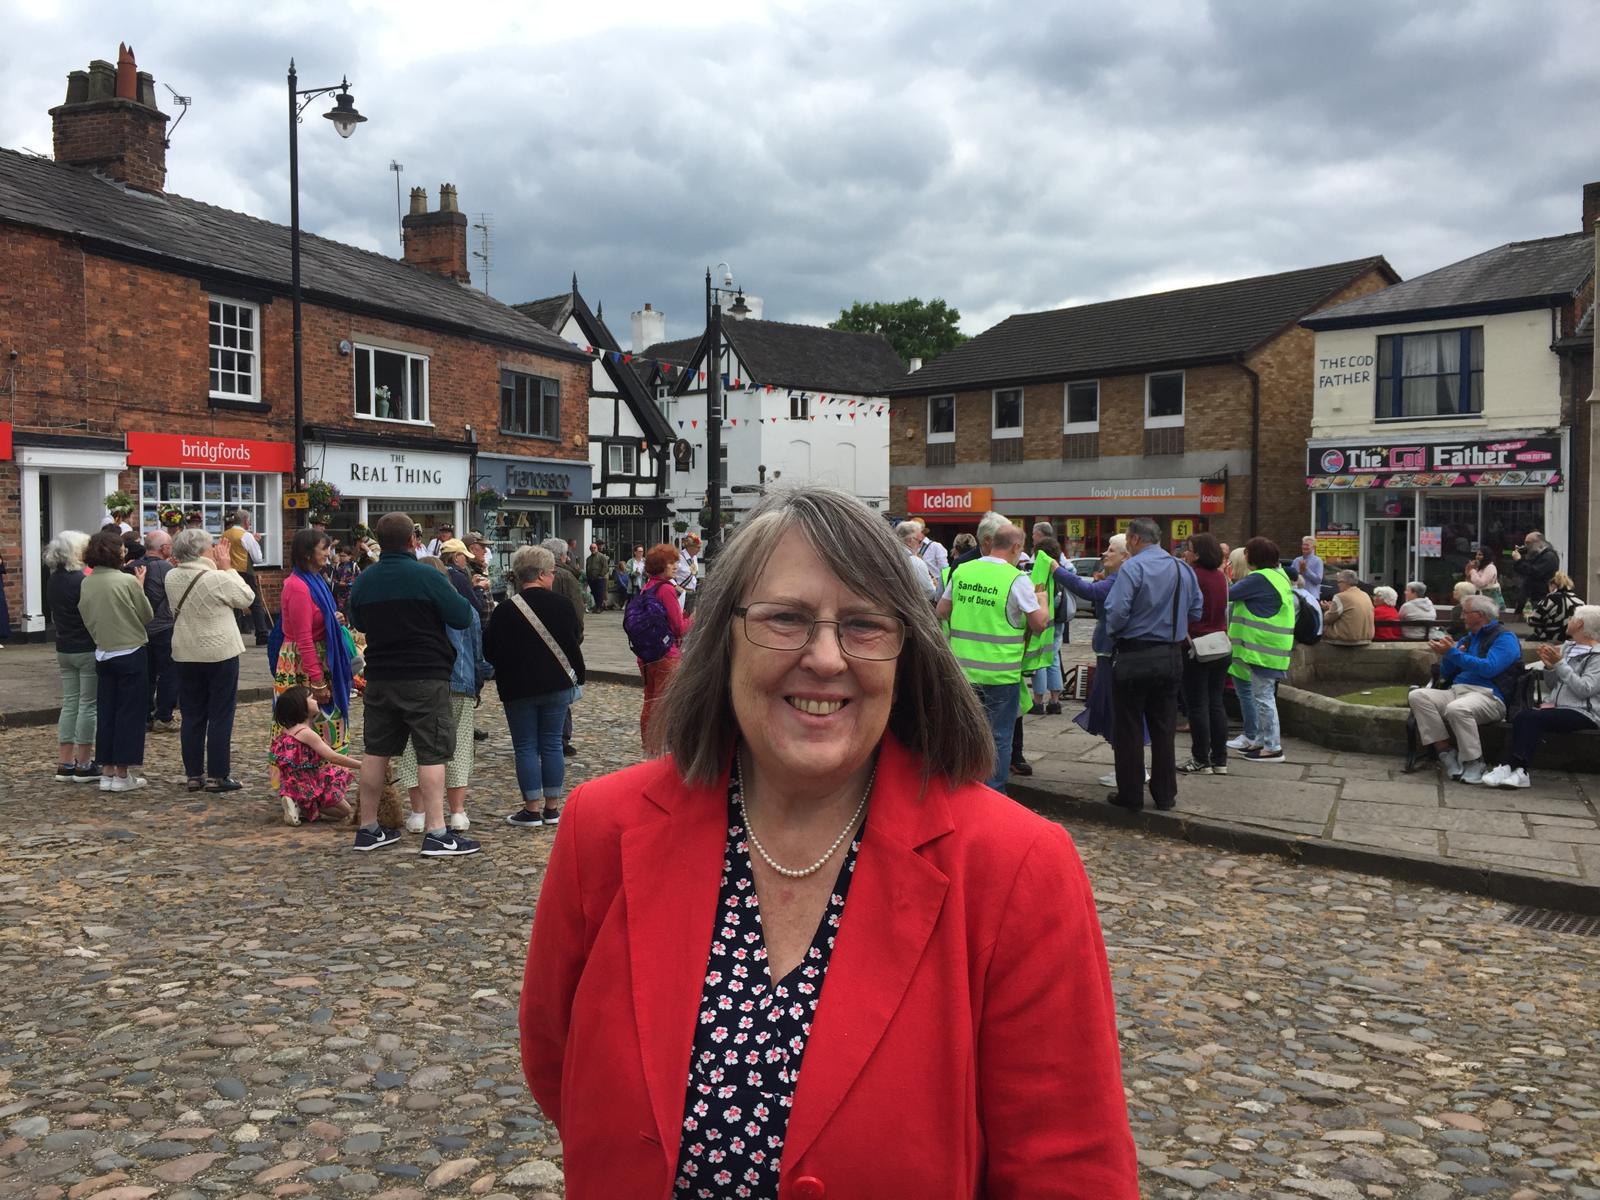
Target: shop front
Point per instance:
(541, 496)
(1084, 512)
(624, 524)
(1420, 509)
(214, 477)
(429, 486)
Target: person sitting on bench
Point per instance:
(1572, 705)
(1472, 669)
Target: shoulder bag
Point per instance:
(198, 576)
(547, 637)
(1210, 647)
(1148, 666)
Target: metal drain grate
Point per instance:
(1555, 922)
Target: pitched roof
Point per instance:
(194, 238)
(1518, 275)
(1189, 326)
(809, 358)
(551, 312)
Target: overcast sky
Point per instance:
(1006, 157)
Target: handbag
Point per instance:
(1209, 647)
(548, 639)
(1149, 666)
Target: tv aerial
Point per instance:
(182, 102)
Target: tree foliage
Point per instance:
(915, 329)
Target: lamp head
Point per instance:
(344, 116)
(740, 308)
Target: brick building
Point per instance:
(145, 346)
(1191, 407)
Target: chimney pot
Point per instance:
(147, 89)
(1591, 206)
(649, 328)
(437, 241)
(102, 80)
(447, 198)
(77, 87)
(127, 74)
(419, 201)
(110, 123)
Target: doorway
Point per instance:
(1388, 549)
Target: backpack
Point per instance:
(1307, 622)
(644, 620)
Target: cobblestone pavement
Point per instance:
(199, 1001)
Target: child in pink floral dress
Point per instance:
(313, 777)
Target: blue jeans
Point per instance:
(535, 723)
(1258, 706)
(1247, 707)
(1048, 679)
(999, 702)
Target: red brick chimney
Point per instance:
(110, 122)
(437, 240)
(1591, 206)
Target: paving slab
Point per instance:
(1491, 847)
(1408, 789)
(1408, 816)
(1364, 833)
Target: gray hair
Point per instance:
(239, 517)
(1043, 529)
(988, 525)
(1480, 604)
(907, 529)
(1416, 588)
(1349, 577)
(1588, 615)
(65, 551)
(1384, 595)
(1462, 589)
(190, 545)
(557, 547)
(934, 714)
(529, 562)
(1118, 542)
(1146, 530)
(156, 539)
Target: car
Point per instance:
(1085, 566)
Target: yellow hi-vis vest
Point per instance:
(987, 646)
(1262, 641)
(1041, 646)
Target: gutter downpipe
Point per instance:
(1255, 447)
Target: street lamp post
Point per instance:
(714, 397)
(345, 118)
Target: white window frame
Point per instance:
(372, 401)
(950, 436)
(617, 456)
(219, 348)
(1068, 425)
(997, 430)
(799, 406)
(1165, 422)
(216, 494)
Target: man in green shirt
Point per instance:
(597, 571)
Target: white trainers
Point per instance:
(1472, 772)
(459, 822)
(1110, 781)
(1518, 778)
(106, 783)
(1242, 743)
(1498, 776)
(291, 811)
(1451, 762)
(128, 783)
(416, 822)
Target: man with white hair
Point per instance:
(910, 535)
(930, 551)
(1477, 670)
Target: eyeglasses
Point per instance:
(871, 636)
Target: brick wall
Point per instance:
(123, 138)
(104, 347)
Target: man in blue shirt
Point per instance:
(1148, 611)
(1310, 567)
(1474, 669)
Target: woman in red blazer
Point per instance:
(808, 957)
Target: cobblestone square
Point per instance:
(200, 1001)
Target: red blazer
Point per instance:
(964, 1044)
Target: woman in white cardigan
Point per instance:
(204, 595)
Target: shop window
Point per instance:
(1007, 414)
(1163, 400)
(215, 495)
(1434, 374)
(622, 460)
(235, 358)
(391, 385)
(941, 419)
(530, 405)
(799, 406)
(1082, 412)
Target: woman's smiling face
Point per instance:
(813, 713)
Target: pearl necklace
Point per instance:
(790, 872)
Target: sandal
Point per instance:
(224, 785)
(197, 783)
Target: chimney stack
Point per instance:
(1591, 206)
(437, 241)
(110, 122)
(649, 327)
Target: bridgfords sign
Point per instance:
(214, 453)
(1488, 462)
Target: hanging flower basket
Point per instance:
(119, 502)
(487, 499)
(322, 497)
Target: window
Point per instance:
(1163, 400)
(1082, 408)
(799, 406)
(214, 495)
(622, 460)
(1007, 413)
(391, 385)
(530, 405)
(941, 418)
(235, 359)
(1433, 374)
